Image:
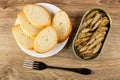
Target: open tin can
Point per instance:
(75, 50)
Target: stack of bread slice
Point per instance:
(38, 31)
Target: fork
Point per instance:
(37, 65)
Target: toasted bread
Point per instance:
(21, 38)
(46, 40)
(62, 23)
(26, 26)
(37, 15)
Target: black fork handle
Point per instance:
(84, 71)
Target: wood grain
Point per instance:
(106, 66)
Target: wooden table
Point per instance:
(106, 66)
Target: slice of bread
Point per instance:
(37, 15)
(26, 26)
(62, 24)
(46, 40)
(21, 38)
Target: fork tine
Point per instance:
(28, 67)
(28, 64)
(31, 64)
(28, 61)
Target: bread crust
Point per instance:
(35, 24)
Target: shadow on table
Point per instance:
(75, 23)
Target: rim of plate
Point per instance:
(53, 10)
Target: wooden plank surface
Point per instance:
(106, 66)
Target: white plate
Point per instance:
(53, 10)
